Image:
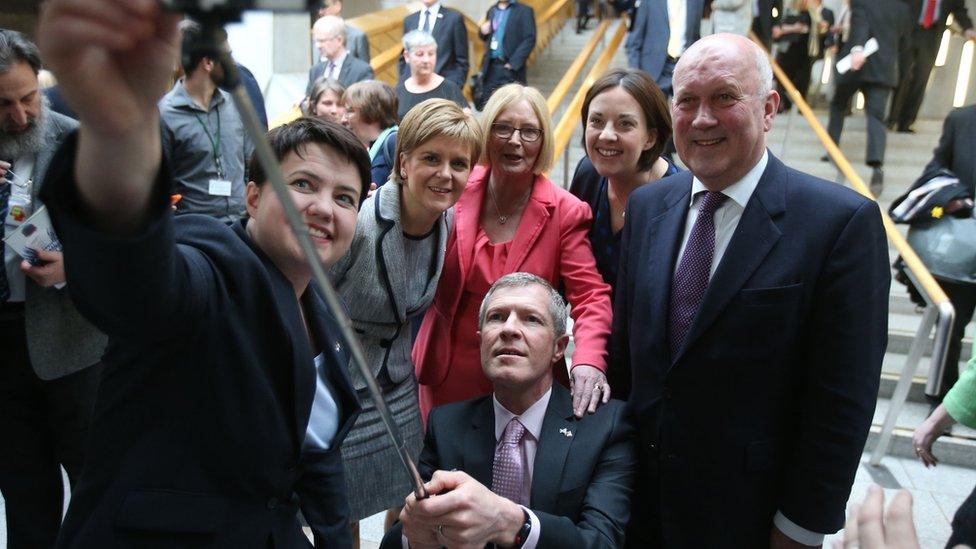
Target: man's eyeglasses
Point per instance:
(505, 131)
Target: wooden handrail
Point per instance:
(908, 255)
(564, 130)
(567, 81)
(551, 12)
(385, 59)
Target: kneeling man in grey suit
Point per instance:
(515, 468)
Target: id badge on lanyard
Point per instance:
(20, 202)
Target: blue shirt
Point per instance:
(323, 422)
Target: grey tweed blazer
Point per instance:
(59, 340)
(371, 279)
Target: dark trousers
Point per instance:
(496, 76)
(914, 66)
(875, 101)
(43, 425)
(964, 523)
(796, 65)
(963, 298)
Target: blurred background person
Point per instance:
(447, 26)
(660, 32)
(420, 53)
(401, 236)
(803, 36)
(509, 35)
(325, 101)
(626, 124)
(336, 62)
(512, 218)
(370, 111)
(356, 41)
(732, 16)
(763, 20)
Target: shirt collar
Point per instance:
(181, 98)
(338, 61)
(531, 419)
(434, 10)
(741, 191)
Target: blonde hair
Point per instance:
(504, 97)
(432, 119)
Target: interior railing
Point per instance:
(939, 312)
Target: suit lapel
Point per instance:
(537, 212)
(550, 455)
(753, 238)
(664, 237)
(390, 254)
(479, 443)
(466, 213)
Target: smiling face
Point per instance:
(720, 116)
(616, 133)
(514, 155)
(329, 106)
(326, 188)
(435, 174)
(518, 343)
(422, 60)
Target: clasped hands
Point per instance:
(460, 513)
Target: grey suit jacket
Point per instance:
(372, 282)
(353, 70)
(647, 41)
(59, 340)
(356, 43)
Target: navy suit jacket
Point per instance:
(200, 417)
(452, 45)
(581, 485)
(647, 41)
(353, 70)
(519, 39)
(768, 404)
(890, 23)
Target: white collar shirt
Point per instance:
(435, 11)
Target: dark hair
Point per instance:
(652, 102)
(291, 137)
(191, 54)
(16, 48)
(375, 101)
(319, 87)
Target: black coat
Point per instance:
(890, 23)
(197, 433)
(519, 39)
(956, 145)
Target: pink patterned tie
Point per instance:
(691, 278)
(508, 476)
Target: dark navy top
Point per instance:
(591, 188)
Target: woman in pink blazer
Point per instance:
(512, 218)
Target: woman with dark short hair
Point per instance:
(371, 113)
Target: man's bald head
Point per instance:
(723, 107)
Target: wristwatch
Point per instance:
(523, 533)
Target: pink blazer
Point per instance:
(551, 242)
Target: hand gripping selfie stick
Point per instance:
(211, 18)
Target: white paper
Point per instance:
(35, 233)
(220, 187)
(844, 63)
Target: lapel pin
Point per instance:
(338, 347)
(566, 432)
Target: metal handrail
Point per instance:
(939, 310)
(566, 126)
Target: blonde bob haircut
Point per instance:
(432, 119)
(504, 97)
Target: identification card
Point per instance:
(494, 44)
(220, 187)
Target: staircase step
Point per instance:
(959, 448)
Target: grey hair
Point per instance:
(332, 26)
(418, 39)
(16, 48)
(557, 306)
(763, 68)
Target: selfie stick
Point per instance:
(209, 43)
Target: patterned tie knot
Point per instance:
(514, 432)
(710, 203)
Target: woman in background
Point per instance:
(325, 101)
(420, 53)
(371, 113)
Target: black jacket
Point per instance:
(197, 433)
(890, 23)
(519, 38)
(452, 45)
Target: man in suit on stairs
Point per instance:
(555, 481)
(337, 62)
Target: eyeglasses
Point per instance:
(505, 131)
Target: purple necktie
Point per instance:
(427, 23)
(691, 279)
(329, 70)
(508, 475)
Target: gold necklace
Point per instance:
(502, 219)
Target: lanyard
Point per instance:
(214, 141)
